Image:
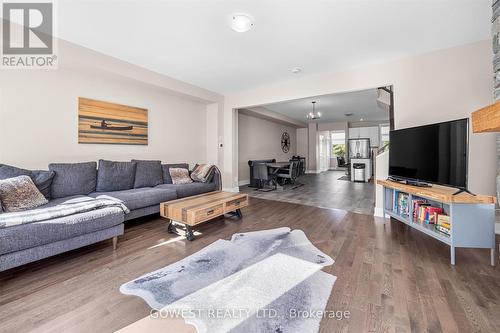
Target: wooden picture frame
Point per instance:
(102, 122)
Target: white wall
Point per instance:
(381, 172)
(336, 126)
(261, 139)
(39, 113)
(302, 147)
(438, 86)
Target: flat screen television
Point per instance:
(434, 154)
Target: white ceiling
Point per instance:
(363, 104)
(190, 39)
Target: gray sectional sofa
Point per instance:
(140, 185)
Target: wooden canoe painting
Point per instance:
(110, 123)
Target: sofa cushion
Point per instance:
(115, 176)
(19, 194)
(73, 179)
(187, 190)
(166, 171)
(148, 173)
(140, 197)
(8, 171)
(20, 237)
(42, 179)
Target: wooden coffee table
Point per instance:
(197, 209)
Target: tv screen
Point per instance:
(431, 154)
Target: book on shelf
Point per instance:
(444, 221)
(416, 206)
(425, 213)
(401, 204)
(442, 218)
(431, 214)
(443, 224)
(395, 195)
(443, 230)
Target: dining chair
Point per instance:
(261, 173)
(289, 173)
(297, 168)
(302, 166)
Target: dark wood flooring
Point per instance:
(390, 278)
(324, 190)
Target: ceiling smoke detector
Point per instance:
(241, 22)
(296, 70)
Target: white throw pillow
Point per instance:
(180, 176)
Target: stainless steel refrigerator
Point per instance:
(359, 148)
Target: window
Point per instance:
(338, 143)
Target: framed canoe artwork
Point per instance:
(110, 123)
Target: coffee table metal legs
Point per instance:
(171, 229)
(237, 213)
(189, 233)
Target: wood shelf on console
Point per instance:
(472, 218)
(439, 193)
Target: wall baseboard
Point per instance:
(313, 171)
(231, 189)
(244, 182)
(379, 212)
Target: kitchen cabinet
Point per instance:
(366, 132)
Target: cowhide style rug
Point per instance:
(261, 281)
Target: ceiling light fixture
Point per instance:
(296, 70)
(361, 119)
(314, 115)
(348, 114)
(241, 22)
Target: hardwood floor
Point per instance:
(324, 190)
(390, 278)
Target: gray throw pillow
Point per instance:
(148, 173)
(166, 171)
(73, 179)
(42, 179)
(115, 176)
(20, 193)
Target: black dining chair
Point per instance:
(290, 173)
(302, 166)
(263, 177)
(297, 165)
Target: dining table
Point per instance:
(274, 167)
